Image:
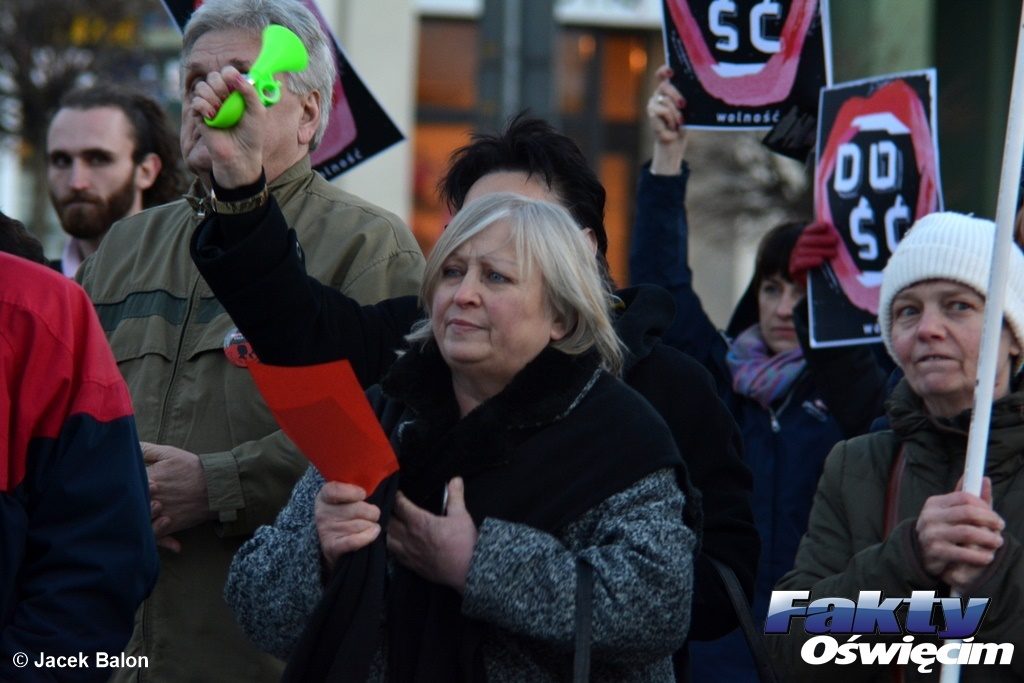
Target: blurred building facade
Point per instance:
(588, 66)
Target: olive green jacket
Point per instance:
(167, 332)
(844, 552)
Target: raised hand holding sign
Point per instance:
(282, 51)
(741, 64)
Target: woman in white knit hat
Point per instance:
(888, 514)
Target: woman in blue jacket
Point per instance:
(778, 394)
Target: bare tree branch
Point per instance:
(46, 47)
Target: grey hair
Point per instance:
(545, 237)
(256, 15)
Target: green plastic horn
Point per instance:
(282, 51)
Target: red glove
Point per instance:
(817, 244)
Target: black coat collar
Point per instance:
(542, 392)
(434, 445)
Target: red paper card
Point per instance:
(323, 410)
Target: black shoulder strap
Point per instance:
(584, 620)
(755, 641)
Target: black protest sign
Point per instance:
(741, 64)
(358, 127)
(181, 10)
(877, 172)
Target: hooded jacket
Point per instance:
(846, 550)
(784, 446)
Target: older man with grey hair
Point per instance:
(218, 466)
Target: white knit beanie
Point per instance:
(950, 246)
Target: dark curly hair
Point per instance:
(152, 129)
(531, 146)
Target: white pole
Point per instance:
(1013, 153)
(1009, 183)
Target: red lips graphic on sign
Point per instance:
(753, 85)
(897, 105)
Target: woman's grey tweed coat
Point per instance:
(522, 581)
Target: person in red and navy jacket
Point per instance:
(77, 552)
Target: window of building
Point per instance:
(602, 76)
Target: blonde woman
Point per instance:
(522, 454)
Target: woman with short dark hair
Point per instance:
(776, 391)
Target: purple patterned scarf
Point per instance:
(758, 374)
